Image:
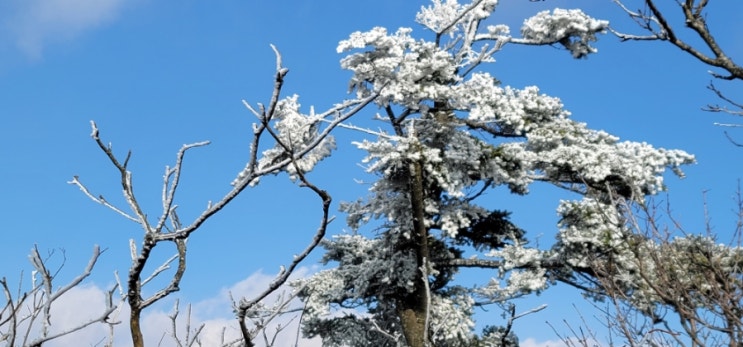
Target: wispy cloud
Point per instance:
(34, 24)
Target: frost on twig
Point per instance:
(100, 199)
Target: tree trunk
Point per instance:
(412, 309)
(134, 292)
(134, 328)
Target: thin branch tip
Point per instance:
(278, 58)
(94, 130)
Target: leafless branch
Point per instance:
(165, 266)
(734, 142)
(694, 19)
(723, 109)
(283, 276)
(691, 280)
(126, 177)
(189, 340)
(100, 199)
(157, 233)
(24, 310)
(170, 180)
(174, 285)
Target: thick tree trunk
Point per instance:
(134, 292)
(413, 308)
(135, 329)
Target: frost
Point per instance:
(297, 147)
(443, 17)
(571, 28)
(440, 15)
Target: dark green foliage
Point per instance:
(490, 232)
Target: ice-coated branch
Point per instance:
(645, 21)
(165, 266)
(46, 287)
(290, 153)
(174, 285)
(191, 338)
(170, 184)
(396, 338)
(100, 319)
(171, 179)
(425, 273)
(379, 134)
(46, 276)
(464, 12)
(476, 263)
(8, 315)
(261, 316)
(251, 172)
(283, 275)
(126, 177)
(100, 199)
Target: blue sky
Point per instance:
(156, 75)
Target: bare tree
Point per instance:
(290, 153)
(671, 287)
(26, 315)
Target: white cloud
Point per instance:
(530, 342)
(36, 23)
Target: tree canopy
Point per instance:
(453, 132)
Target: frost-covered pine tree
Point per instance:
(454, 132)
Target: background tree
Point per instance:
(671, 286)
(454, 134)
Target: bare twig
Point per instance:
(100, 199)
(42, 296)
(694, 19)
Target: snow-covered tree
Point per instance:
(451, 133)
